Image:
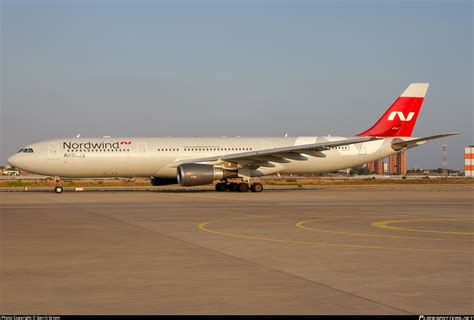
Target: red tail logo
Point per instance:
(400, 118)
(125, 142)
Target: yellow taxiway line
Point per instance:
(301, 225)
(387, 225)
(204, 227)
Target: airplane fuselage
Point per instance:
(146, 157)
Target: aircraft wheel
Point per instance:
(58, 189)
(257, 187)
(221, 187)
(244, 187)
(233, 187)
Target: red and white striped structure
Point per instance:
(469, 161)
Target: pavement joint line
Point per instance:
(392, 213)
(247, 204)
(242, 259)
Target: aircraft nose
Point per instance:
(13, 160)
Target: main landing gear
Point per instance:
(239, 187)
(58, 188)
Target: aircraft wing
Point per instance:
(262, 158)
(399, 143)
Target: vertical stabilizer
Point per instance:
(400, 118)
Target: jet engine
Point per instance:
(155, 181)
(193, 174)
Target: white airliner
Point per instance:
(199, 161)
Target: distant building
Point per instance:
(371, 166)
(392, 164)
(398, 163)
(376, 167)
(469, 161)
(402, 161)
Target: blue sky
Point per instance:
(186, 68)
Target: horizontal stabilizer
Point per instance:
(398, 144)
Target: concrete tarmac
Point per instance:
(278, 252)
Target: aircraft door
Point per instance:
(266, 145)
(53, 151)
(142, 149)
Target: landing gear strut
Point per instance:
(239, 187)
(58, 188)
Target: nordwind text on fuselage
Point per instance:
(91, 145)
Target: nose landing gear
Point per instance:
(58, 188)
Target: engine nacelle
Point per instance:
(193, 174)
(155, 181)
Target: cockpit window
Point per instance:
(26, 150)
